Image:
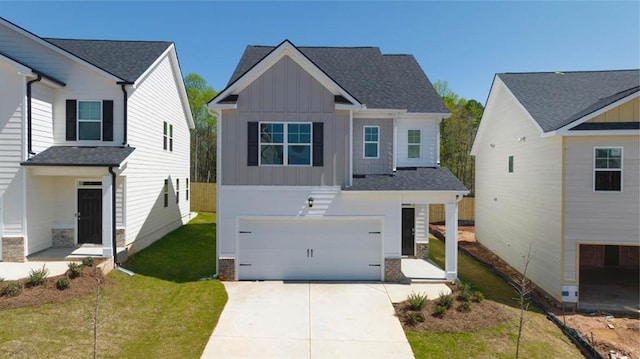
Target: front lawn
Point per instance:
(541, 338)
(163, 311)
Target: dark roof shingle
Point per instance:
(104, 156)
(410, 179)
(556, 99)
(379, 81)
(127, 60)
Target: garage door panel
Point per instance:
(303, 249)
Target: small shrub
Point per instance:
(416, 301)
(465, 292)
(37, 276)
(1, 279)
(464, 307)
(477, 296)
(445, 300)
(414, 318)
(62, 284)
(75, 270)
(439, 311)
(11, 289)
(89, 262)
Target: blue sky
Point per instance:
(464, 43)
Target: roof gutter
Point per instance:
(124, 111)
(113, 217)
(29, 114)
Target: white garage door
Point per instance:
(310, 249)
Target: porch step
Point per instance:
(428, 280)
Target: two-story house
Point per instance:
(328, 160)
(558, 171)
(94, 143)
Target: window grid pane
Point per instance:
(271, 154)
(414, 151)
(414, 136)
(89, 111)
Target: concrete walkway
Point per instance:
(312, 320)
(13, 271)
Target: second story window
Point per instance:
(510, 164)
(89, 120)
(171, 138)
(186, 189)
(413, 144)
(165, 136)
(287, 144)
(166, 192)
(371, 141)
(607, 169)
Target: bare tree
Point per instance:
(524, 289)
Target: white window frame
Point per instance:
(419, 145)
(78, 120)
(365, 142)
(608, 169)
(285, 144)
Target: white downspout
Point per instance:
(395, 141)
(350, 148)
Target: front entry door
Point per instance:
(89, 216)
(408, 231)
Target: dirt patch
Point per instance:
(483, 315)
(465, 233)
(623, 338)
(48, 293)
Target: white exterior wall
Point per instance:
(12, 136)
(40, 202)
(599, 217)
(155, 100)
(428, 146)
(42, 98)
(520, 209)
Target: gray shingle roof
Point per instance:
(104, 156)
(374, 79)
(410, 179)
(124, 59)
(555, 99)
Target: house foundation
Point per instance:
(422, 250)
(120, 237)
(62, 237)
(13, 249)
(227, 268)
(393, 270)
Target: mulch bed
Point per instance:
(48, 293)
(483, 315)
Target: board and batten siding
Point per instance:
(429, 132)
(11, 149)
(285, 93)
(627, 112)
(369, 166)
(154, 101)
(599, 217)
(521, 209)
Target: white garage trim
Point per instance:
(282, 255)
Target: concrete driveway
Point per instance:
(311, 320)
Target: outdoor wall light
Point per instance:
(310, 202)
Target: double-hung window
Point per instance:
(413, 144)
(607, 169)
(371, 141)
(177, 190)
(90, 120)
(186, 189)
(167, 136)
(165, 189)
(285, 144)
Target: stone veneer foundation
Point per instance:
(120, 237)
(422, 250)
(393, 270)
(62, 237)
(227, 268)
(13, 249)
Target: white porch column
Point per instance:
(451, 246)
(107, 203)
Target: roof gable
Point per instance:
(557, 99)
(376, 80)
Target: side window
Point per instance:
(171, 138)
(166, 193)
(413, 144)
(164, 136)
(186, 189)
(177, 190)
(371, 141)
(607, 169)
(510, 164)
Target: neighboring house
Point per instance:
(328, 161)
(94, 143)
(558, 170)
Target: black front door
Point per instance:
(408, 231)
(611, 256)
(89, 216)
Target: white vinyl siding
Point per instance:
(42, 117)
(429, 130)
(594, 217)
(515, 211)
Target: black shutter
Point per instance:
(71, 120)
(107, 120)
(318, 144)
(252, 144)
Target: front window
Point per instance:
(285, 144)
(371, 141)
(413, 140)
(89, 120)
(608, 169)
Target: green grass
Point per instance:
(541, 338)
(163, 311)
